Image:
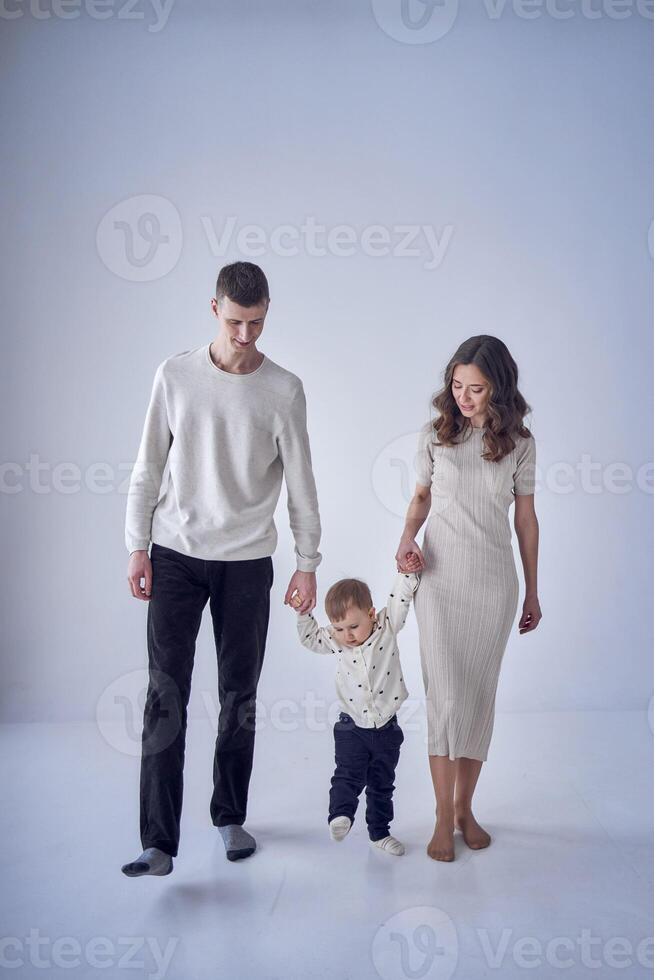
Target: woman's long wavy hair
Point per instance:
(505, 409)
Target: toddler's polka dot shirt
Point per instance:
(369, 677)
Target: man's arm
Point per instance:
(312, 636)
(295, 453)
(397, 607)
(145, 480)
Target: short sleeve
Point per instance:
(423, 462)
(524, 476)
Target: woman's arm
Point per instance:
(416, 516)
(526, 528)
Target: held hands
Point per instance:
(301, 592)
(409, 557)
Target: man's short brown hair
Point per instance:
(244, 283)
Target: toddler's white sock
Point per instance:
(339, 827)
(390, 844)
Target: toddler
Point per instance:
(371, 688)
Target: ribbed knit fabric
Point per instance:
(214, 449)
(468, 595)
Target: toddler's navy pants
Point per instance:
(365, 757)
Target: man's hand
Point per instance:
(305, 585)
(140, 567)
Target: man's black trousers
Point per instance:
(239, 598)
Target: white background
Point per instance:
(528, 137)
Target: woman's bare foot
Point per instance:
(441, 846)
(474, 835)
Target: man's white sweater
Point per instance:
(208, 473)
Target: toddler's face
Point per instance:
(355, 628)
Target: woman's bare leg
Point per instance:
(467, 774)
(443, 775)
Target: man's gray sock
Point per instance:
(151, 862)
(238, 843)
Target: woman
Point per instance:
(473, 461)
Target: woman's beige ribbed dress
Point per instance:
(467, 599)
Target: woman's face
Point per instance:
(471, 391)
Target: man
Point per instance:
(228, 422)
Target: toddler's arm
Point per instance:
(312, 636)
(399, 600)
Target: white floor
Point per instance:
(568, 878)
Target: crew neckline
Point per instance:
(232, 375)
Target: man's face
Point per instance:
(241, 324)
(355, 628)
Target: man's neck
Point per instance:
(233, 361)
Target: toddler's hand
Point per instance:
(296, 600)
(413, 563)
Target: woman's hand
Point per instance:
(531, 615)
(409, 557)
